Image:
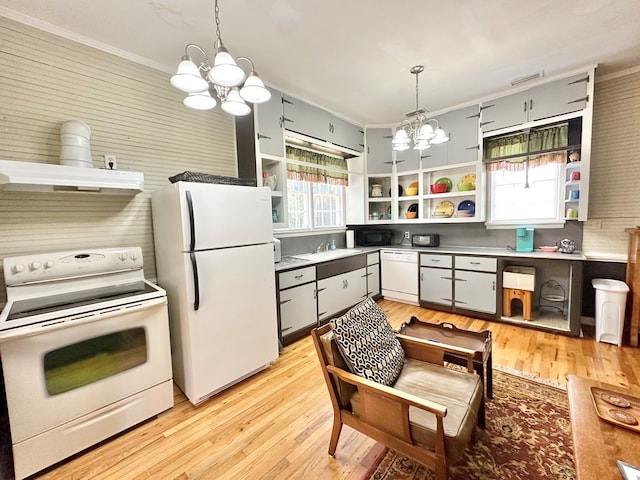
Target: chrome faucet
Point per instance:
(320, 249)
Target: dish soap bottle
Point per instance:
(333, 245)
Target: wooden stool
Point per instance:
(525, 296)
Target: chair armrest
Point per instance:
(389, 392)
(432, 351)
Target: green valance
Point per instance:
(516, 148)
(316, 167)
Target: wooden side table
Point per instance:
(597, 444)
(448, 334)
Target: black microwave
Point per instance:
(373, 238)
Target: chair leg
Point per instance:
(335, 435)
(482, 415)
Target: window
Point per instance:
(525, 173)
(528, 195)
(315, 190)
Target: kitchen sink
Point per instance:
(328, 255)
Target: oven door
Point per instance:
(62, 371)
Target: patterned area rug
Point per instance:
(528, 437)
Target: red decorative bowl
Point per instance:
(438, 187)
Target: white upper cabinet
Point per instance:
(407, 160)
(346, 134)
(544, 101)
(379, 154)
(303, 118)
(463, 144)
(311, 121)
(556, 98)
(269, 132)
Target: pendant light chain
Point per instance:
(217, 16)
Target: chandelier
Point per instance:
(225, 76)
(421, 129)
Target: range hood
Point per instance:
(45, 177)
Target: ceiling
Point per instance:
(352, 57)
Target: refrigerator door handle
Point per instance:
(192, 224)
(196, 283)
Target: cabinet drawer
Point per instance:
(373, 258)
(431, 260)
(296, 277)
(479, 264)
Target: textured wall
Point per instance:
(614, 189)
(133, 113)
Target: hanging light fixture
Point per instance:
(422, 131)
(225, 76)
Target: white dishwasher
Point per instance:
(400, 275)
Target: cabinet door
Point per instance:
(559, 97)
(464, 143)
(304, 118)
(436, 285)
(407, 160)
(297, 308)
(373, 280)
(341, 291)
(504, 111)
(346, 134)
(379, 153)
(270, 132)
(436, 155)
(475, 291)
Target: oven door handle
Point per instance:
(78, 319)
(196, 282)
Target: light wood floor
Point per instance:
(276, 425)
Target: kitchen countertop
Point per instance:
(292, 261)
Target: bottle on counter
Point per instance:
(333, 245)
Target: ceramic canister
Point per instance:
(75, 148)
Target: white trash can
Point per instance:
(611, 300)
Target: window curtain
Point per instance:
(527, 144)
(315, 167)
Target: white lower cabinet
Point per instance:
(436, 279)
(341, 291)
(458, 282)
(475, 283)
(297, 308)
(475, 291)
(436, 285)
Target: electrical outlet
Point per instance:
(596, 224)
(406, 235)
(110, 162)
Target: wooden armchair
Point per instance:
(428, 414)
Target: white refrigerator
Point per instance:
(214, 258)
